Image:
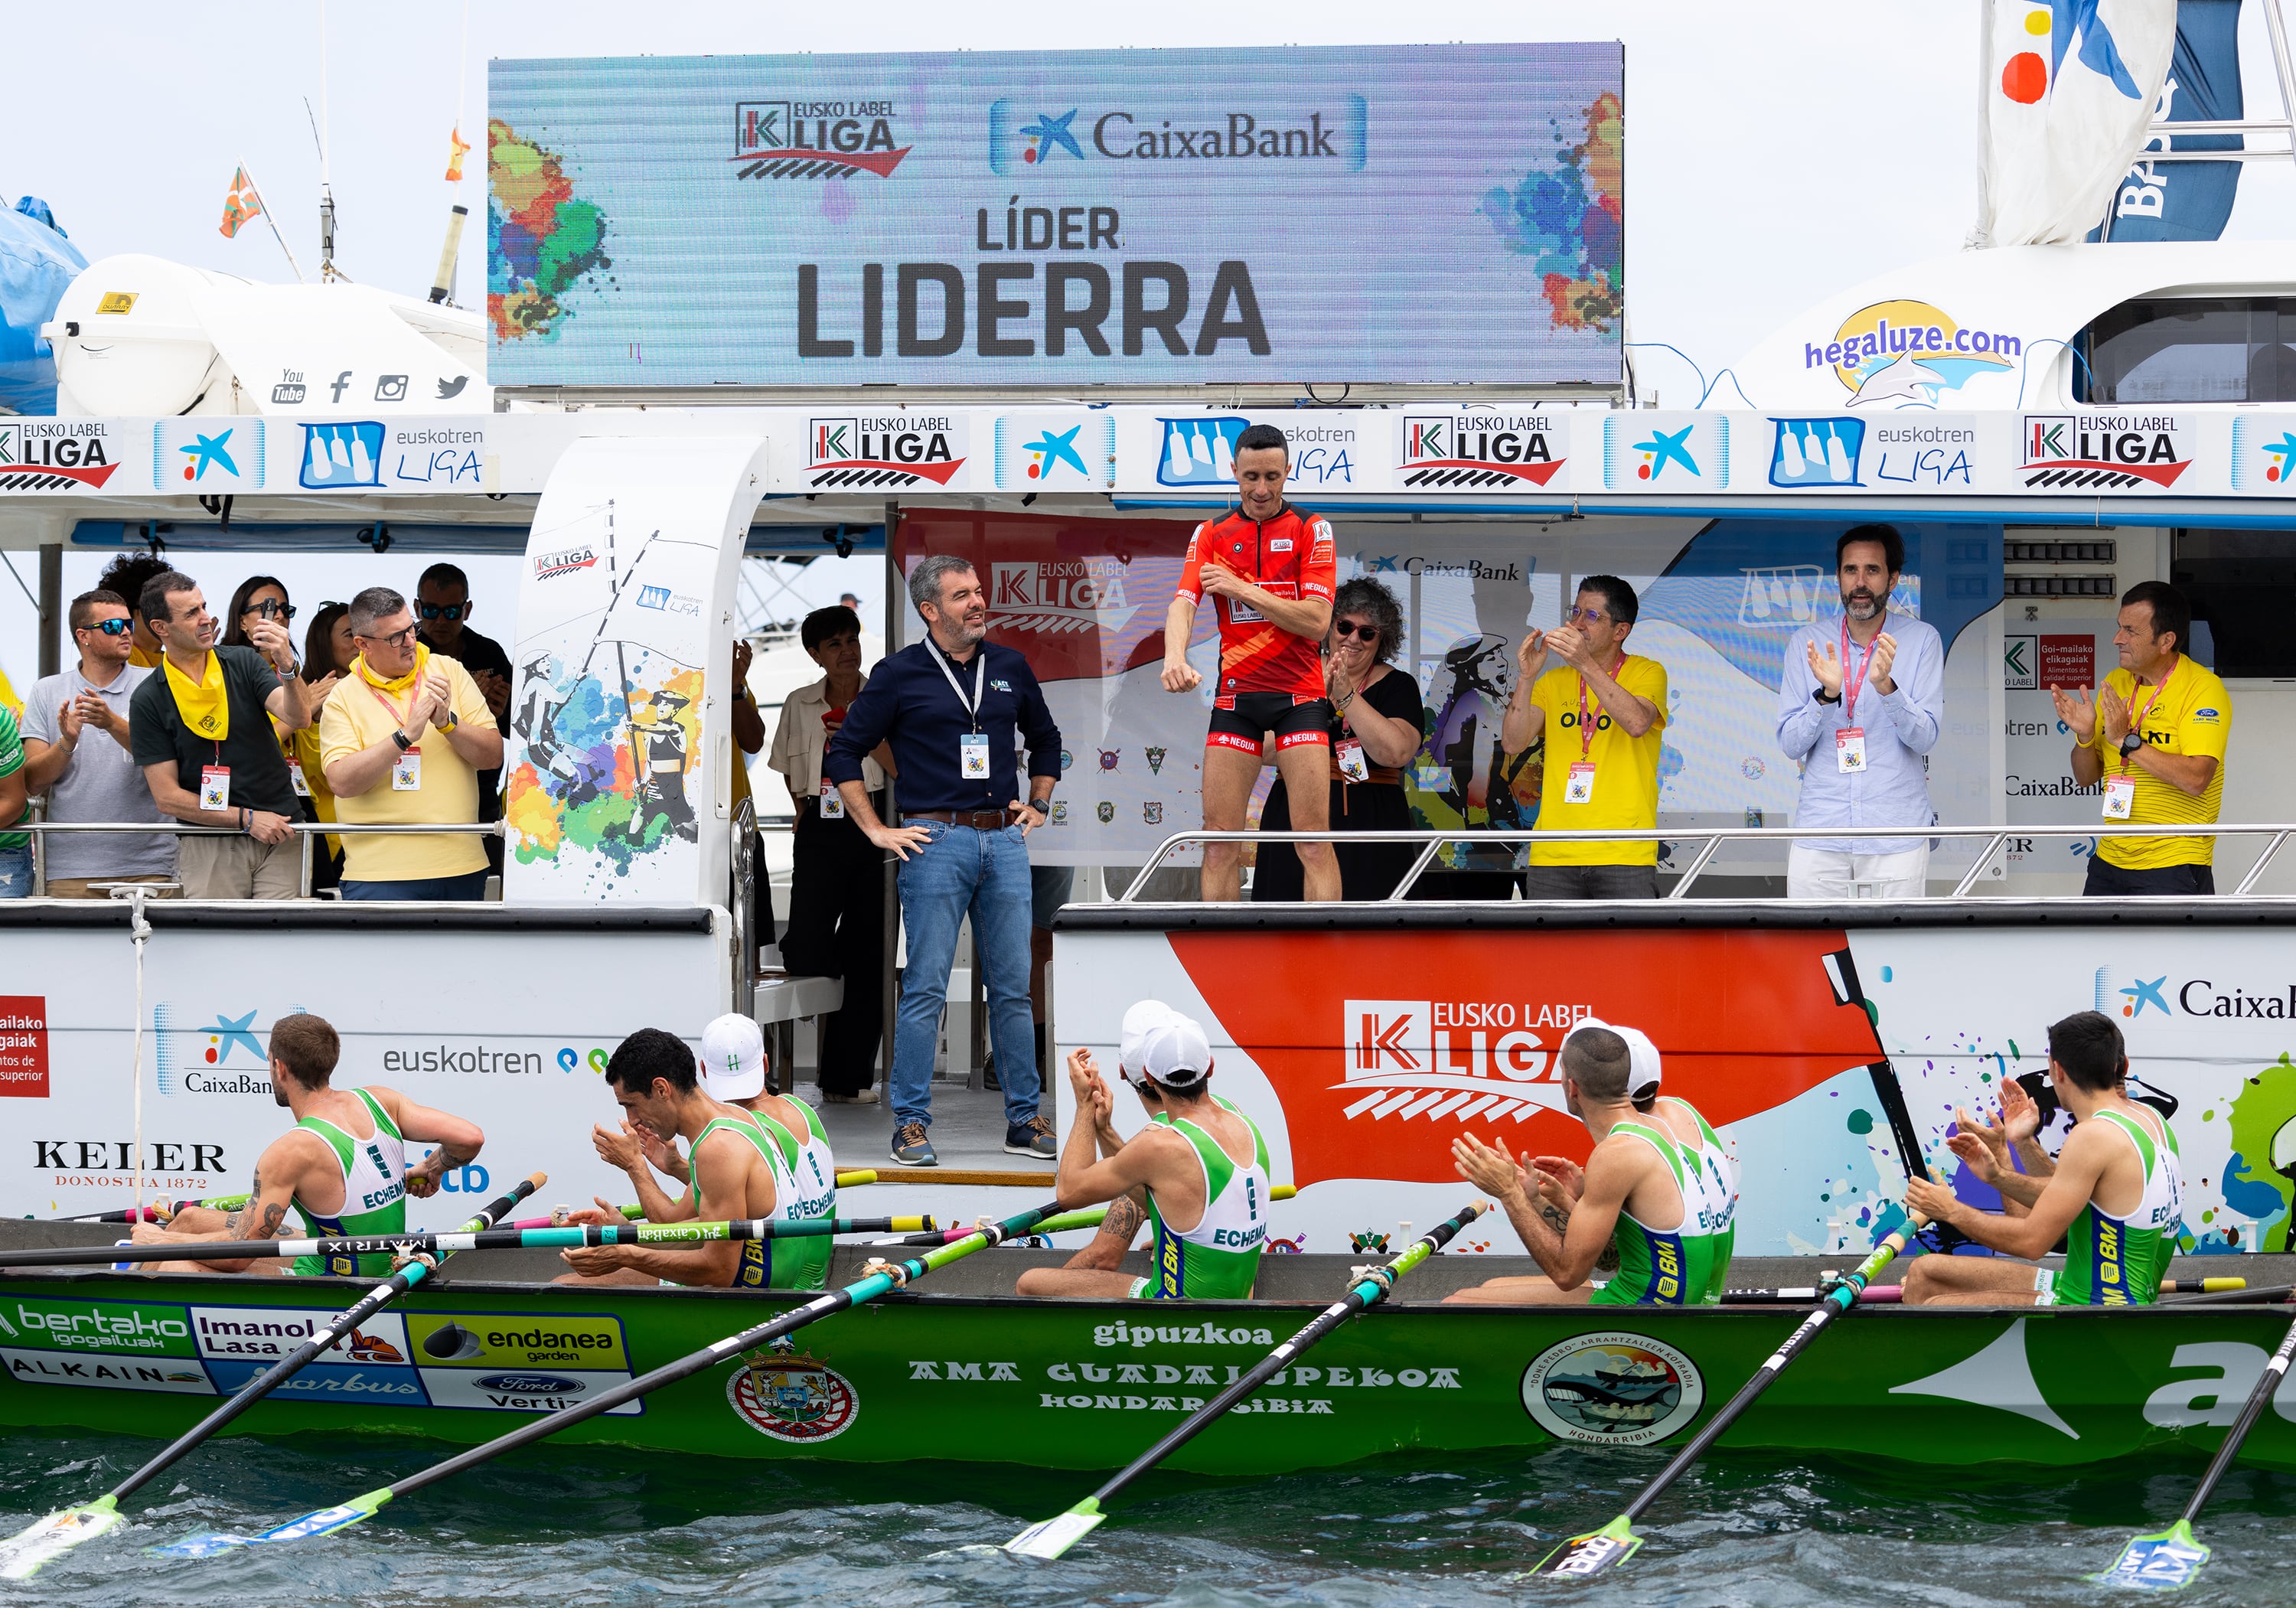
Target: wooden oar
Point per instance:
(2169, 1559)
(883, 1277)
(490, 1239)
(21, 1556)
(1581, 1556)
(1055, 1536)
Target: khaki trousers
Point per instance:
(239, 868)
(81, 886)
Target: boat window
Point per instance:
(2243, 587)
(2190, 349)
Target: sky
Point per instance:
(1776, 152)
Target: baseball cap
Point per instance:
(732, 1058)
(1176, 1052)
(1642, 1067)
(1133, 1036)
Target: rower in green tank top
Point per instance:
(342, 1169)
(2114, 1194)
(1658, 1185)
(1197, 1171)
(734, 1166)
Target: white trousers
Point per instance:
(1828, 873)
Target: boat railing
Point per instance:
(1709, 840)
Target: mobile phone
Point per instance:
(268, 608)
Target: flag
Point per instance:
(457, 148)
(2189, 201)
(242, 204)
(2067, 91)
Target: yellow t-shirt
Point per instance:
(1626, 768)
(356, 717)
(2193, 714)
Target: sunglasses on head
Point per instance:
(1344, 629)
(111, 628)
(441, 610)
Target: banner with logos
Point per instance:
(2188, 201)
(1418, 214)
(618, 765)
(1360, 1097)
(511, 1029)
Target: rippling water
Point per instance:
(595, 1528)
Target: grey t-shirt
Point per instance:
(100, 784)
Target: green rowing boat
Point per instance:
(961, 1362)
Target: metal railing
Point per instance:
(1711, 840)
(308, 830)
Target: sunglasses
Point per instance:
(111, 628)
(1343, 630)
(442, 610)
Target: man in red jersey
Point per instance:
(1269, 570)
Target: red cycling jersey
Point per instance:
(1288, 556)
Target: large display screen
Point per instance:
(1402, 214)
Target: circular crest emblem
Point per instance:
(792, 1397)
(1613, 1390)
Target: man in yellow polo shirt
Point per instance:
(402, 740)
(2155, 739)
(1601, 714)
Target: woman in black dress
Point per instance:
(1375, 735)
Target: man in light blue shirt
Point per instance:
(1860, 707)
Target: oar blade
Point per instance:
(1053, 1536)
(22, 1555)
(326, 1521)
(2165, 1560)
(1582, 1557)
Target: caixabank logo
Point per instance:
(2102, 452)
(2264, 453)
(860, 450)
(1033, 136)
(1479, 452)
(830, 139)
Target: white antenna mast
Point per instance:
(326, 190)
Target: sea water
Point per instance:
(588, 1526)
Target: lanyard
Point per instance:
(1585, 730)
(2136, 716)
(979, 669)
(1850, 685)
(397, 718)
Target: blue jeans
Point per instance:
(471, 886)
(986, 872)
(16, 875)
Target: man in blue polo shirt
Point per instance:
(950, 706)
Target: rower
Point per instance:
(1655, 1162)
(1129, 1212)
(1199, 1167)
(736, 1175)
(2116, 1197)
(732, 1071)
(342, 1167)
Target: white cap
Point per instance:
(732, 1058)
(1642, 1067)
(1176, 1052)
(1134, 1035)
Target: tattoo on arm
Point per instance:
(1123, 1218)
(234, 1223)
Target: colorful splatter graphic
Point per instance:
(542, 241)
(579, 786)
(2253, 1186)
(1568, 217)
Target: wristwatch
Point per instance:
(402, 739)
(1043, 806)
(2129, 744)
(1825, 697)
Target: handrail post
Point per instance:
(305, 838)
(1713, 847)
(2256, 872)
(745, 900)
(1984, 858)
(1410, 879)
(1155, 861)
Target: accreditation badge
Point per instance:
(297, 780)
(214, 787)
(2120, 798)
(972, 756)
(406, 771)
(1348, 754)
(1580, 787)
(833, 802)
(1850, 748)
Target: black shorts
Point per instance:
(1256, 714)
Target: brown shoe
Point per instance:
(911, 1148)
